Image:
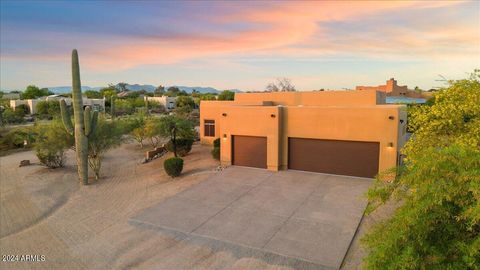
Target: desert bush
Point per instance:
(216, 153)
(52, 140)
(10, 116)
(152, 131)
(216, 149)
(47, 109)
(184, 146)
(156, 107)
(173, 166)
(105, 136)
(18, 137)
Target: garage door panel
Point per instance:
(249, 151)
(352, 158)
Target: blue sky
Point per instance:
(242, 45)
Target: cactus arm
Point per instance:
(66, 119)
(90, 121)
(93, 125)
(87, 118)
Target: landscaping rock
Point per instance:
(24, 162)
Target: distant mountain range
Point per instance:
(137, 87)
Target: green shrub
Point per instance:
(184, 146)
(16, 138)
(51, 159)
(173, 166)
(216, 153)
(52, 141)
(216, 149)
(48, 109)
(10, 116)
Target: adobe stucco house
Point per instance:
(168, 102)
(392, 89)
(338, 132)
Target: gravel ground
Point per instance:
(46, 212)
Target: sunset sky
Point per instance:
(243, 44)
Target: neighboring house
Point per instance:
(11, 96)
(391, 88)
(168, 102)
(96, 104)
(337, 132)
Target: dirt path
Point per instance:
(46, 212)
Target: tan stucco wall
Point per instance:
(354, 122)
(369, 124)
(314, 98)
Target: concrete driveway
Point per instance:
(302, 219)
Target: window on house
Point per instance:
(209, 128)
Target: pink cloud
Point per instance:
(284, 29)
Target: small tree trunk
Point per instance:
(174, 142)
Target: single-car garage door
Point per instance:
(249, 151)
(352, 158)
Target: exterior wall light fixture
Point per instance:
(224, 114)
(272, 115)
(391, 117)
(401, 121)
(225, 136)
(390, 144)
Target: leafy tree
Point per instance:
(159, 91)
(108, 92)
(174, 91)
(106, 136)
(1, 94)
(22, 109)
(437, 223)
(92, 94)
(122, 86)
(51, 107)
(226, 95)
(52, 140)
(185, 102)
(152, 131)
(33, 92)
(453, 118)
(208, 96)
(174, 127)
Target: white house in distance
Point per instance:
(97, 104)
(168, 102)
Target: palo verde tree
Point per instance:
(437, 222)
(174, 128)
(85, 121)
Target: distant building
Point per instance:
(11, 96)
(168, 102)
(95, 104)
(392, 89)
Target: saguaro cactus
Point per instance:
(112, 107)
(85, 121)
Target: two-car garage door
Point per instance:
(352, 158)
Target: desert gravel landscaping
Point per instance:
(47, 212)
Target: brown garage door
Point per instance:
(335, 157)
(249, 151)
